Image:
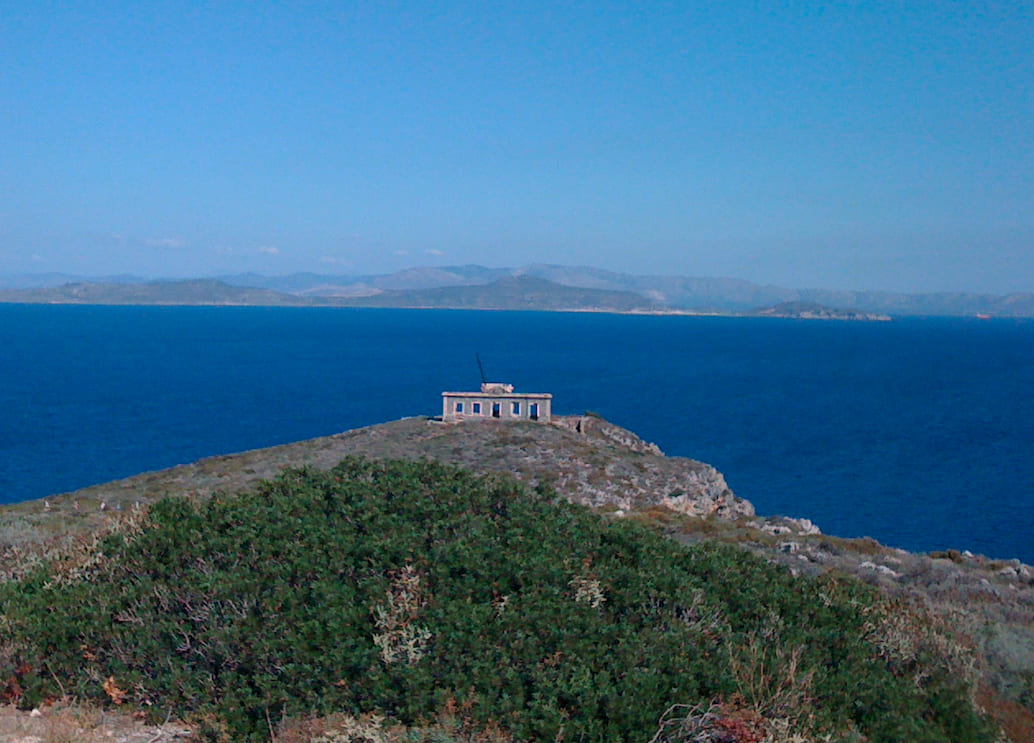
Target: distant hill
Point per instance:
(315, 285)
(189, 292)
(509, 293)
(478, 287)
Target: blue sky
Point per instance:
(875, 145)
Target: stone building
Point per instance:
(497, 401)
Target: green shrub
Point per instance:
(403, 588)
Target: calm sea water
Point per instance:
(917, 432)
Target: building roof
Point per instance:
(536, 395)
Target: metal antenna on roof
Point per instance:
(481, 369)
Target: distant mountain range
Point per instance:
(507, 293)
(537, 286)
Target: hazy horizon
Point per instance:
(880, 147)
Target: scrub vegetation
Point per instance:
(390, 600)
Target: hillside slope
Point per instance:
(592, 462)
(419, 593)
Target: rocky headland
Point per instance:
(585, 459)
(988, 603)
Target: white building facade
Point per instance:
(497, 401)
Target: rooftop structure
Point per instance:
(499, 401)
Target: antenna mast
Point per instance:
(481, 369)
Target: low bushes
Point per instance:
(401, 589)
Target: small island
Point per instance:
(816, 311)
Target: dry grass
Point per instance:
(717, 722)
(770, 680)
(450, 726)
(67, 722)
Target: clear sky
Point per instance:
(868, 145)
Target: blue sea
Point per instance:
(917, 432)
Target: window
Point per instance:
(533, 411)
(496, 409)
(515, 409)
(475, 408)
(459, 407)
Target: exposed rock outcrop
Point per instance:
(595, 426)
(618, 469)
(780, 525)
